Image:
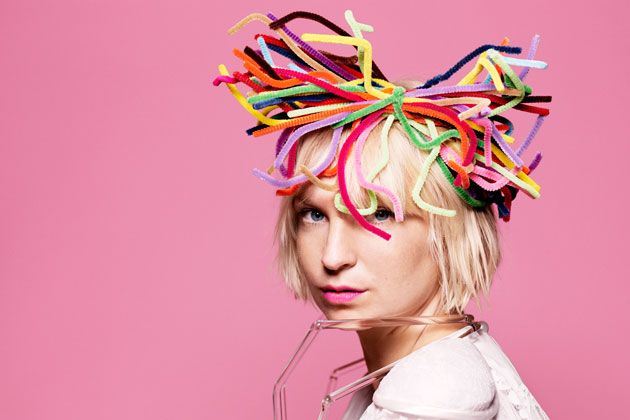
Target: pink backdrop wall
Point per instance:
(136, 277)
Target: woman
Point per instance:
(432, 265)
(386, 209)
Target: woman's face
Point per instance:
(390, 278)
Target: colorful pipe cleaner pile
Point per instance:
(320, 89)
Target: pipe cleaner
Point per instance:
(319, 89)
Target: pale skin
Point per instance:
(399, 276)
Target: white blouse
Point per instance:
(468, 378)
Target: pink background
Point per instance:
(136, 276)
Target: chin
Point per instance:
(343, 313)
(338, 314)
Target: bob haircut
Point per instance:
(465, 247)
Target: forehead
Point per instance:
(313, 193)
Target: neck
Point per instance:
(382, 346)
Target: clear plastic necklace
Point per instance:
(332, 395)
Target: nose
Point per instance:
(339, 253)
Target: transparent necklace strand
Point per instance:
(279, 389)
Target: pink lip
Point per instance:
(340, 294)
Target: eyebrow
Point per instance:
(302, 200)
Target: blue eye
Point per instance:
(383, 213)
(318, 215)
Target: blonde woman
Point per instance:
(390, 197)
(432, 265)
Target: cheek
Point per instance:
(404, 265)
(302, 254)
(308, 256)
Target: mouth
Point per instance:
(340, 294)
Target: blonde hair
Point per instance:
(465, 247)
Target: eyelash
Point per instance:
(305, 211)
